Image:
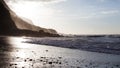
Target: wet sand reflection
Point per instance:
(5, 49)
(16, 54)
(13, 53)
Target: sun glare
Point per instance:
(37, 12)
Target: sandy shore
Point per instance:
(16, 54)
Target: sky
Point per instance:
(71, 16)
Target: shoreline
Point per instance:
(17, 54)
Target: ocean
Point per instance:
(60, 52)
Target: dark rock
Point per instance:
(25, 60)
(60, 63)
(30, 60)
(50, 62)
(46, 50)
(117, 65)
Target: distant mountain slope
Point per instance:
(22, 24)
(11, 24)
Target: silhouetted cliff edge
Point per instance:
(13, 25)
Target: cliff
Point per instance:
(11, 24)
(7, 25)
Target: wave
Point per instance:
(102, 44)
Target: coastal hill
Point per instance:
(12, 25)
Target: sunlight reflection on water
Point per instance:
(20, 53)
(18, 42)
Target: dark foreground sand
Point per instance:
(14, 53)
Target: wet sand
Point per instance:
(14, 53)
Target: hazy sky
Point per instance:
(72, 16)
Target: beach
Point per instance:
(15, 53)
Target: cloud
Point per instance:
(102, 0)
(44, 1)
(100, 14)
(110, 12)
